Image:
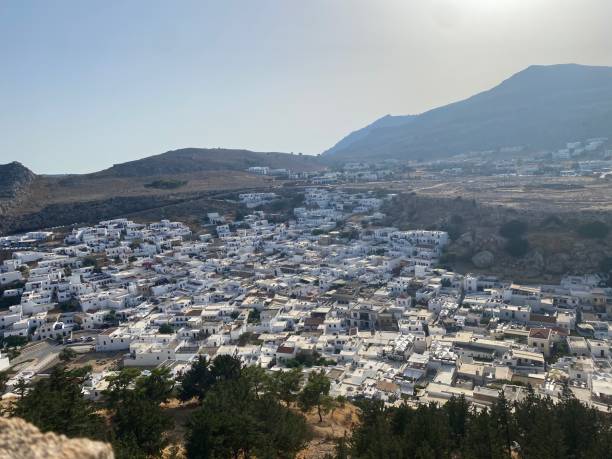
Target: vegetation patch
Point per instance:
(164, 184)
(517, 247)
(534, 427)
(593, 230)
(513, 229)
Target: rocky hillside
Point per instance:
(179, 183)
(487, 239)
(15, 178)
(15, 183)
(202, 159)
(542, 107)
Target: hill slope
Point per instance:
(14, 179)
(188, 160)
(541, 107)
(360, 134)
(29, 201)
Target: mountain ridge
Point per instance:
(541, 107)
(191, 159)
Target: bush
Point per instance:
(517, 247)
(593, 230)
(454, 231)
(14, 341)
(605, 265)
(513, 229)
(166, 184)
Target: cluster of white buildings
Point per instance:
(256, 199)
(368, 304)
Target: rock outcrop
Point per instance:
(21, 440)
(14, 179)
(483, 259)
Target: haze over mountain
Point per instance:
(541, 107)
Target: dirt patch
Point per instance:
(335, 425)
(99, 361)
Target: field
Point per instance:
(474, 209)
(542, 194)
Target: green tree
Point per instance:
(517, 247)
(57, 404)
(513, 229)
(376, 435)
(67, 354)
(196, 381)
(502, 423)
(138, 422)
(458, 411)
(14, 341)
(226, 368)
(240, 418)
(157, 387)
(203, 375)
(286, 385)
(315, 394)
(165, 329)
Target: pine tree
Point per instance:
(196, 381)
(57, 404)
(502, 424)
(315, 394)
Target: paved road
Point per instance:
(37, 351)
(37, 356)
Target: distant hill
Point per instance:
(176, 184)
(189, 160)
(542, 107)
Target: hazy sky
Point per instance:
(85, 84)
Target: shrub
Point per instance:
(166, 184)
(513, 229)
(517, 247)
(605, 265)
(593, 230)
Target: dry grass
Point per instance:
(335, 425)
(99, 361)
(55, 190)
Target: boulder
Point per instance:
(20, 439)
(483, 259)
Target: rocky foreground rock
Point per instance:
(21, 440)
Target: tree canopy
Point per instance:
(535, 427)
(57, 404)
(242, 414)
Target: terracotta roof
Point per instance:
(285, 349)
(387, 386)
(539, 333)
